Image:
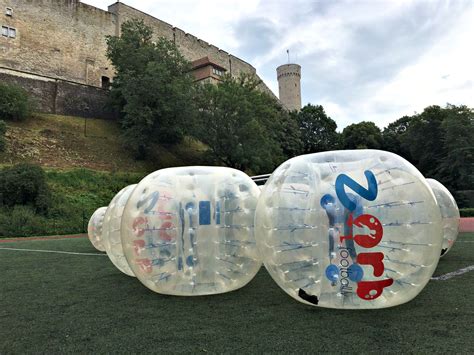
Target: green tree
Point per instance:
(240, 124)
(363, 135)
(289, 134)
(457, 167)
(439, 142)
(152, 89)
(424, 140)
(318, 131)
(15, 103)
(25, 184)
(393, 136)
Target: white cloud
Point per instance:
(443, 74)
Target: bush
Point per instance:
(25, 184)
(467, 212)
(78, 193)
(74, 196)
(464, 198)
(3, 130)
(22, 221)
(14, 103)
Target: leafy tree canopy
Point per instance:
(240, 124)
(441, 144)
(290, 136)
(363, 135)
(153, 88)
(393, 136)
(318, 130)
(457, 168)
(424, 139)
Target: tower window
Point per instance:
(5, 31)
(9, 11)
(105, 82)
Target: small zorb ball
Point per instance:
(349, 229)
(189, 231)
(94, 228)
(111, 238)
(449, 214)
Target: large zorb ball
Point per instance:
(189, 231)
(349, 229)
(94, 228)
(111, 238)
(449, 214)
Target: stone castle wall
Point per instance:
(190, 46)
(65, 39)
(59, 38)
(58, 96)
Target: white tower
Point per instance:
(289, 85)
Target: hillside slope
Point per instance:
(66, 142)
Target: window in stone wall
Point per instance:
(9, 11)
(217, 72)
(5, 31)
(11, 32)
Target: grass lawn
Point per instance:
(56, 303)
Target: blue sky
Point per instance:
(371, 60)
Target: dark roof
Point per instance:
(204, 62)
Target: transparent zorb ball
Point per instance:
(449, 214)
(111, 238)
(94, 228)
(349, 229)
(189, 231)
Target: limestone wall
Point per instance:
(190, 46)
(59, 96)
(59, 38)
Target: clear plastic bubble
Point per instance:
(189, 231)
(111, 230)
(449, 214)
(94, 228)
(349, 229)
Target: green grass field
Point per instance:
(59, 303)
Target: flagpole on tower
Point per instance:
(288, 52)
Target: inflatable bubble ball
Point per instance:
(189, 231)
(349, 229)
(449, 214)
(94, 228)
(111, 230)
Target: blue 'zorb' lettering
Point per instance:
(152, 198)
(218, 212)
(369, 194)
(204, 213)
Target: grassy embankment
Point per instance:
(86, 165)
